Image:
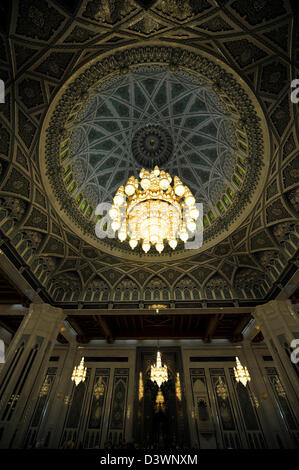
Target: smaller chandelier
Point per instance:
(254, 400)
(99, 388)
(159, 373)
(155, 213)
(279, 388)
(79, 373)
(241, 373)
(221, 389)
(45, 387)
(160, 403)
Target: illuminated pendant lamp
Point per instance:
(154, 213)
(79, 373)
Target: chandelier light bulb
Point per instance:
(114, 213)
(133, 243)
(159, 247)
(130, 186)
(156, 171)
(179, 188)
(194, 213)
(130, 189)
(145, 182)
(189, 198)
(122, 235)
(115, 224)
(119, 196)
(163, 180)
(173, 243)
(191, 225)
(146, 246)
(184, 235)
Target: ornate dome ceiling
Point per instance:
(204, 126)
(240, 55)
(191, 129)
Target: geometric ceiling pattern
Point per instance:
(260, 44)
(203, 144)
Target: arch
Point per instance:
(99, 287)
(126, 289)
(184, 288)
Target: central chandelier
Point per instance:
(154, 213)
(159, 373)
(241, 373)
(79, 373)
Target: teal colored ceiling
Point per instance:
(201, 130)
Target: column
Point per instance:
(279, 324)
(24, 370)
(57, 409)
(267, 411)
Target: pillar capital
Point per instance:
(42, 319)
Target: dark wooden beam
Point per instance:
(81, 336)
(105, 328)
(169, 311)
(237, 333)
(211, 327)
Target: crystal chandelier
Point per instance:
(99, 388)
(221, 389)
(79, 373)
(159, 373)
(154, 213)
(241, 373)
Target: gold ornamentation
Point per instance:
(141, 387)
(99, 388)
(160, 403)
(178, 387)
(221, 389)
